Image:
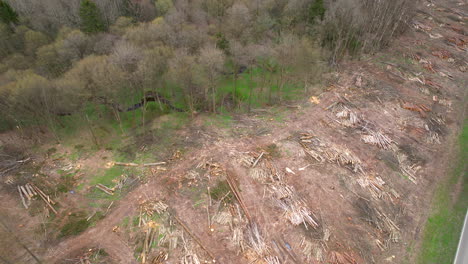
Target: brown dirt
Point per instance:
(331, 192)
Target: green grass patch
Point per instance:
(107, 178)
(125, 222)
(260, 87)
(443, 227)
(76, 224)
(219, 120)
(221, 191)
(135, 221)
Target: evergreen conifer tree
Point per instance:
(7, 14)
(91, 19)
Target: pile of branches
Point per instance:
(283, 195)
(151, 229)
(381, 221)
(9, 163)
(374, 136)
(323, 151)
(370, 133)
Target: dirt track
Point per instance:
(387, 82)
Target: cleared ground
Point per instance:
(347, 176)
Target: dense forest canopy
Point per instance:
(61, 57)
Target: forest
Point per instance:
(125, 59)
(232, 131)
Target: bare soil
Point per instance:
(347, 213)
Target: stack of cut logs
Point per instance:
(29, 191)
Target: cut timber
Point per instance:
(236, 193)
(47, 200)
(105, 189)
(22, 198)
(42, 194)
(25, 192)
(258, 159)
(154, 164)
(31, 189)
(130, 164)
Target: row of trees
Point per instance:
(199, 55)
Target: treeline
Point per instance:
(59, 56)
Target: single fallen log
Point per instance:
(132, 164)
(257, 160)
(105, 189)
(154, 164)
(194, 237)
(129, 164)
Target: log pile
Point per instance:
(150, 227)
(150, 236)
(30, 191)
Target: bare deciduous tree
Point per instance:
(212, 62)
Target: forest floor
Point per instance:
(363, 202)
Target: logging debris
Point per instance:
(420, 108)
(196, 239)
(341, 258)
(284, 196)
(371, 133)
(323, 151)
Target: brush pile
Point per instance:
(189, 256)
(293, 207)
(323, 151)
(153, 234)
(370, 133)
(283, 195)
(9, 163)
(341, 258)
(374, 136)
(378, 219)
(377, 138)
(435, 127)
(406, 167)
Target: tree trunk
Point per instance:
(251, 90)
(88, 122)
(234, 95)
(117, 117)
